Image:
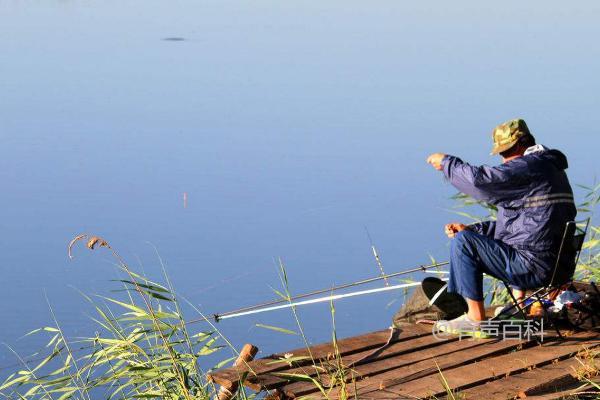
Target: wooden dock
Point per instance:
(415, 363)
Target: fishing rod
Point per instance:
(292, 301)
(317, 300)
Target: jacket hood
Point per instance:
(556, 157)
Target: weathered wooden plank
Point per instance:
(543, 380)
(577, 390)
(356, 361)
(414, 365)
(271, 380)
(322, 351)
(474, 374)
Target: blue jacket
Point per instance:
(534, 200)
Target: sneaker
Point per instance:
(461, 326)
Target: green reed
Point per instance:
(143, 349)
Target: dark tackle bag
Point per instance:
(431, 301)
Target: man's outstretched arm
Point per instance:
(489, 184)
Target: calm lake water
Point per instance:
(290, 125)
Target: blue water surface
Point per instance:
(290, 125)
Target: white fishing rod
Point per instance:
(317, 300)
(285, 302)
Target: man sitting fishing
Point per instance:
(534, 200)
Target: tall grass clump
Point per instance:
(142, 349)
(588, 268)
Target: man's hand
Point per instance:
(436, 160)
(452, 229)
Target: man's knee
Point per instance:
(463, 241)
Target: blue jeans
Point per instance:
(472, 254)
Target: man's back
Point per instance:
(537, 221)
(533, 196)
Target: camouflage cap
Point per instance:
(506, 135)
